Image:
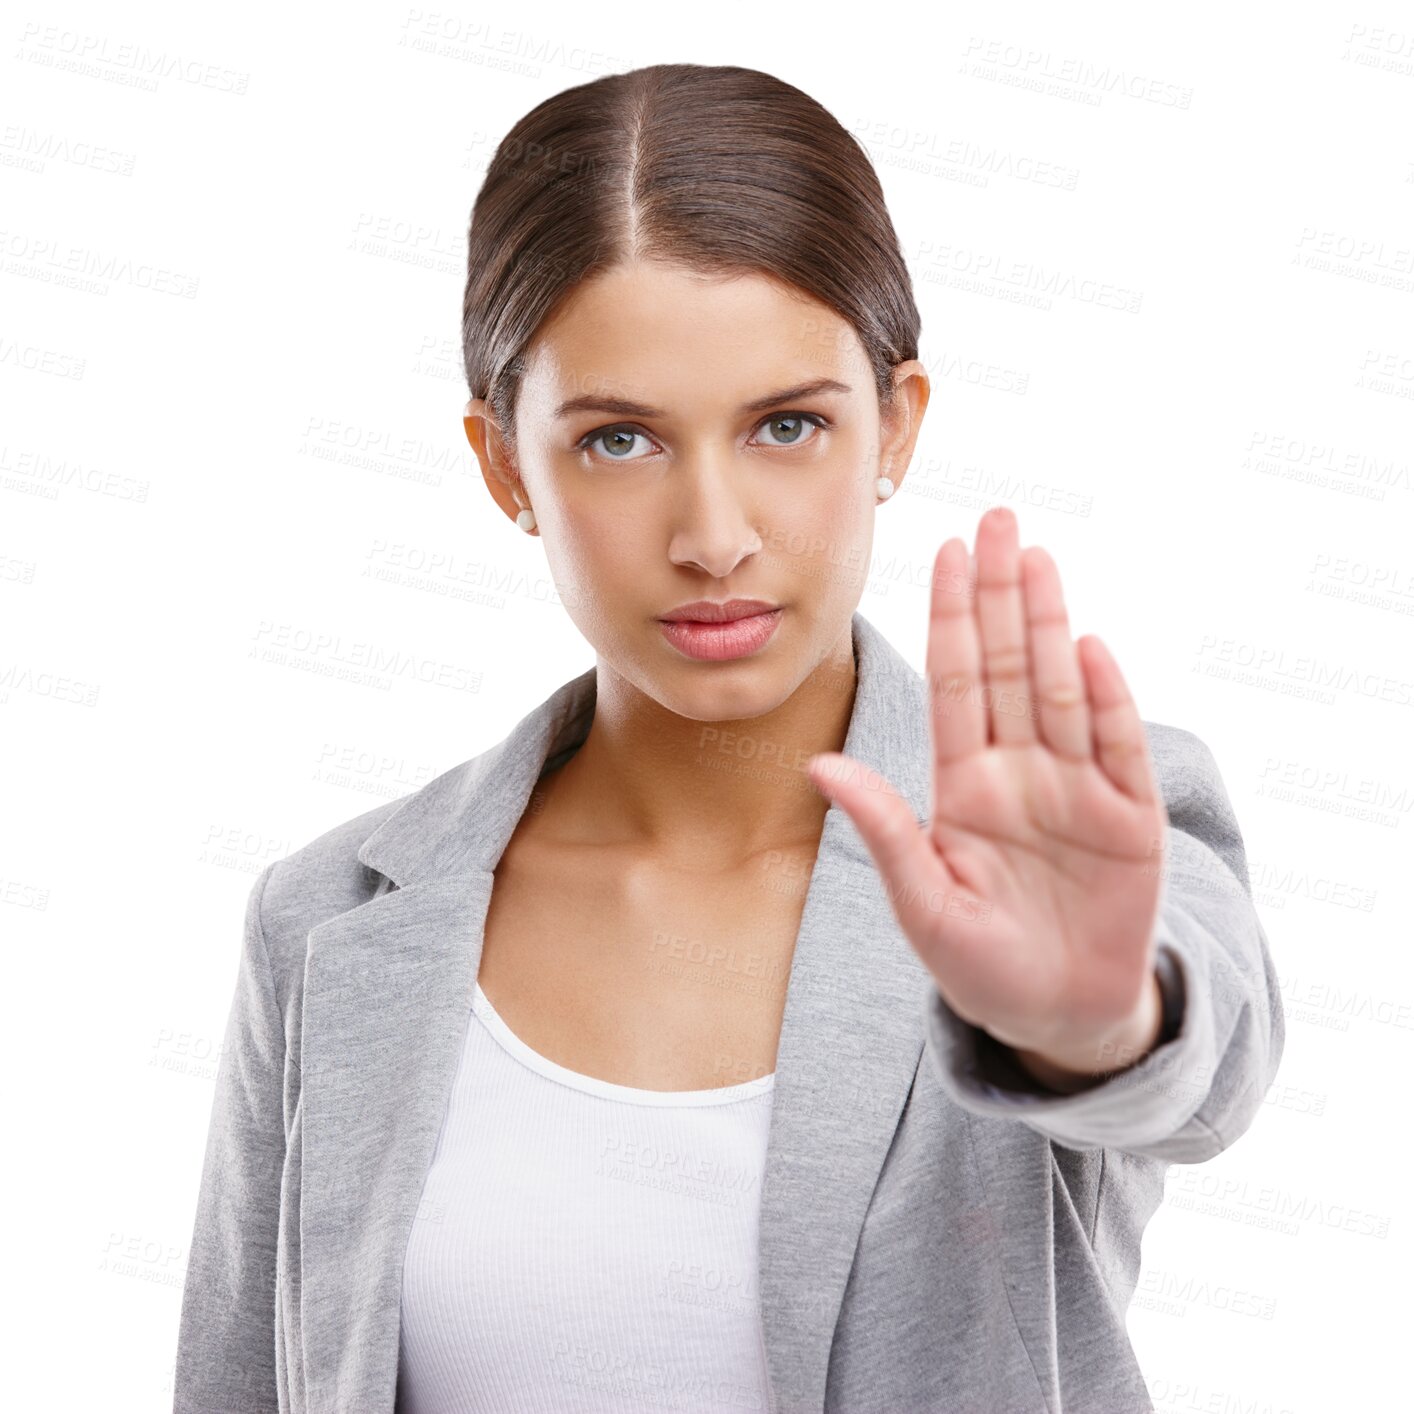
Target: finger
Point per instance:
(915, 877)
(1002, 616)
(1120, 743)
(1062, 705)
(954, 660)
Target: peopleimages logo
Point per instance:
(1070, 77)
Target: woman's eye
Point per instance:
(790, 427)
(786, 429)
(616, 442)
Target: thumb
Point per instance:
(912, 870)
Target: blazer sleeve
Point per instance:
(1192, 1096)
(226, 1341)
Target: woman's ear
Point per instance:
(904, 419)
(497, 465)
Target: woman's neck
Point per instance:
(699, 794)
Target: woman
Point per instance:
(762, 1024)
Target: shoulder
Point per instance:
(1178, 753)
(1186, 770)
(325, 877)
(1195, 795)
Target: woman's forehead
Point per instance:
(622, 346)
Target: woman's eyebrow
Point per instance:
(622, 407)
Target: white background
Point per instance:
(231, 266)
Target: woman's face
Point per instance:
(668, 461)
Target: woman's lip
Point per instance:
(721, 642)
(719, 613)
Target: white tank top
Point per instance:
(583, 1246)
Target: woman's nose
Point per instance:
(712, 527)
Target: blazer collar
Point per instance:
(388, 986)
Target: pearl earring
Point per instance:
(526, 520)
(884, 488)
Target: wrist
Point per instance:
(1072, 1070)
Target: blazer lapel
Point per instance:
(387, 991)
(387, 999)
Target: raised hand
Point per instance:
(1032, 893)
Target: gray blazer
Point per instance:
(936, 1234)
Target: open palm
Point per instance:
(1032, 892)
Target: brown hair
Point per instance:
(713, 168)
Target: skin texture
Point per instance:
(700, 498)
